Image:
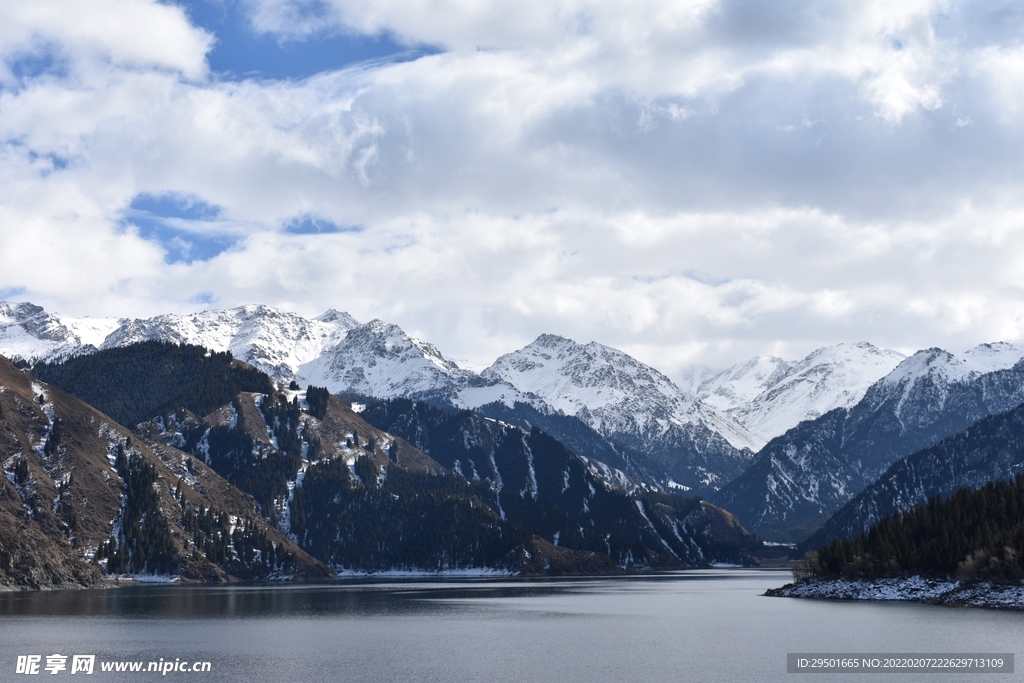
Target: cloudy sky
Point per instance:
(693, 181)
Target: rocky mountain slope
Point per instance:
(799, 479)
(631, 404)
(83, 496)
(565, 498)
(991, 449)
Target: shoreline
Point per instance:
(928, 590)
(386, 576)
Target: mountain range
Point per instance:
(659, 433)
(989, 449)
(800, 478)
(782, 444)
(769, 396)
(225, 474)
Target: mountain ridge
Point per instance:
(379, 359)
(800, 478)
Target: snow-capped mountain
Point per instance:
(739, 385)
(988, 450)
(768, 396)
(616, 392)
(831, 377)
(630, 403)
(925, 383)
(803, 476)
(605, 388)
(273, 341)
(991, 357)
(379, 359)
(29, 333)
(328, 476)
(333, 350)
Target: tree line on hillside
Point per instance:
(398, 519)
(136, 382)
(142, 542)
(973, 534)
(258, 469)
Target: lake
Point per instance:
(708, 625)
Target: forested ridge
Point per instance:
(397, 519)
(135, 382)
(142, 542)
(972, 534)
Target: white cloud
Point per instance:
(699, 181)
(123, 33)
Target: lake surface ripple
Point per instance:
(709, 625)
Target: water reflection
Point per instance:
(363, 597)
(709, 626)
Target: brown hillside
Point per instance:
(62, 497)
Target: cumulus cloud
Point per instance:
(123, 33)
(692, 182)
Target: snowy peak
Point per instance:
(946, 367)
(337, 317)
(935, 363)
(942, 366)
(571, 376)
(332, 350)
(608, 389)
(379, 359)
(836, 377)
(12, 312)
(830, 377)
(922, 382)
(46, 327)
(986, 358)
(274, 341)
(30, 333)
(741, 383)
(814, 468)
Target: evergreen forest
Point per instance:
(972, 534)
(133, 383)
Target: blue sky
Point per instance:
(692, 181)
(186, 227)
(241, 51)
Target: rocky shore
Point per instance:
(911, 588)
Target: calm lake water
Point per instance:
(688, 626)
